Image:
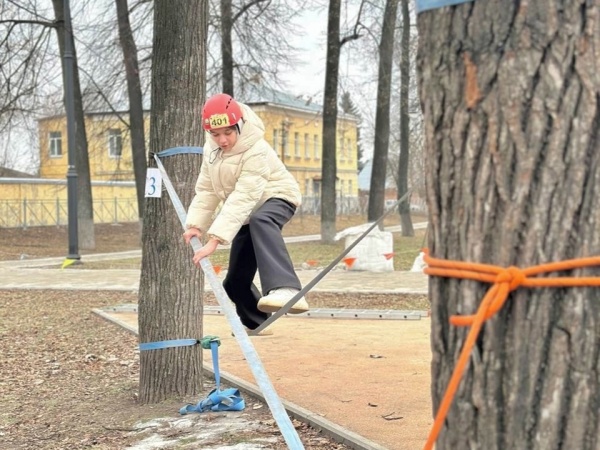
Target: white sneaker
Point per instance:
(277, 298)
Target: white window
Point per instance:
(306, 146)
(115, 143)
(349, 147)
(297, 145)
(350, 187)
(341, 187)
(316, 146)
(55, 144)
(286, 147)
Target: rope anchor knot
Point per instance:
(503, 281)
(512, 275)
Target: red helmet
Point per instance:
(220, 111)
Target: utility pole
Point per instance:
(70, 109)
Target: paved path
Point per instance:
(37, 274)
(34, 274)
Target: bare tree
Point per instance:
(254, 42)
(170, 296)
(382, 118)
(404, 206)
(510, 100)
(227, 46)
(330, 113)
(136, 108)
(23, 45)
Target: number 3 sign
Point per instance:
(153, 182)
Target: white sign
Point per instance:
(153, 182)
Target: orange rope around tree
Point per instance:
(503, 280)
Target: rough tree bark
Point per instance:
(382, 112)
(330, 113)
(85, 209)
(404, 160)
(511, 100)
(170, 297)
(136, 109)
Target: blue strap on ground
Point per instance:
(425, 5)
(180, 151)
(167, 344)
(218, 400)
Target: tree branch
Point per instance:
(31, 22)
(247, 7)
(357, 26)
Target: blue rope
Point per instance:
(217, 400)
(425, 5)
(167, 344)
(180, 151)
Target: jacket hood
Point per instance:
(253, 130)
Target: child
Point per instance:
(259, 196)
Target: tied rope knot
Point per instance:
(503, 281)
(512, 275)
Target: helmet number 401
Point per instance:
(218, 120)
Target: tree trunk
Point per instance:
(227, 47)
(136, 109)
(85, 209)
(382, 112)
(511, 100)
(404, 160)
(330, 112)
(170, 296)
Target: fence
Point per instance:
(34, 213)
(344, 205)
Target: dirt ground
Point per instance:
(68, 379)
(41, 242)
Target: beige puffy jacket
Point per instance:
(243, 178)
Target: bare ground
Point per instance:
(69, 380)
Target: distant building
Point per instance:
(364, 186)
(293, 126)
(391, 191)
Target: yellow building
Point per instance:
(109, 147)
(293, 127)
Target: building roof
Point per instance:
(5, 172)
(258, 93)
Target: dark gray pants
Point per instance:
(260, 246)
